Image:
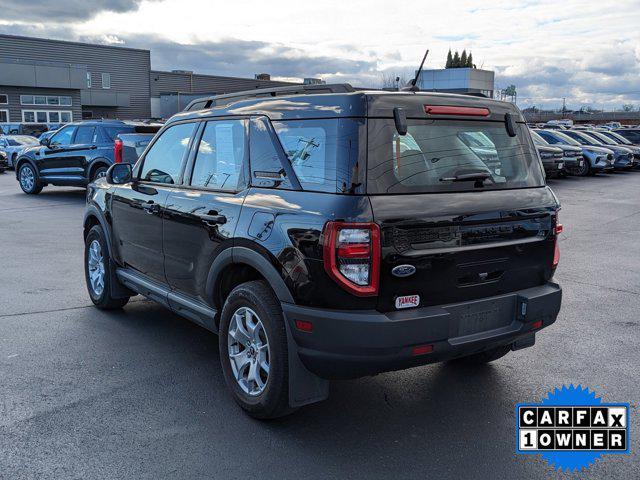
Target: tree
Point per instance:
(456, 60)
(463, 59)
(449, 63)
(470, 61)
(627, 107)
(510, 91)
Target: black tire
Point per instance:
(585, 169)
(273, 401)
(14, 159)
(101, 299)
(98, 172)
(484, 357)
(26, 172)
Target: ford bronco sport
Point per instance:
(331, 233)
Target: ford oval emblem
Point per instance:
(403, 270)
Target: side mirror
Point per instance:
(119, 173)
(45, 142)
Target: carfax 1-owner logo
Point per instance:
(572, 427)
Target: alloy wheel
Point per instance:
(248, 348)
(95, 264)
(27, 178)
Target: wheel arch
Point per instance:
(93, 217)
(237, 265)
(97, 163)
(21, 161)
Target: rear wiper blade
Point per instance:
(468, 177)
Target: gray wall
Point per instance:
(129, 69)
(165, 87)
(171, 82)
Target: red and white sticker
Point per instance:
(408, 301)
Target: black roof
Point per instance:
(326, 101)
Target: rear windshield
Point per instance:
(113, 132)
(449, 156)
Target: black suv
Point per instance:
(333, 235)
(75, 155)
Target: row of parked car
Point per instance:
(586, 151)
(75, 154)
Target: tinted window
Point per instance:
(324, 153)
(220, 158)
(64, 136)
(85, 135)
(266, 163)
(632, 135)
(434, 153)
(163, 161)
(548, 138)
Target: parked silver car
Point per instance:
(598, 159)
(12, 145)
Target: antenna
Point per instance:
(412, 85)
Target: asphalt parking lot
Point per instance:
(139, 393)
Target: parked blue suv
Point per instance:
(75, 155)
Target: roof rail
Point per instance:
(225, 99)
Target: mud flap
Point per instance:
(304, 387)
(118, 290)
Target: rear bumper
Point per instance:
(347, 344)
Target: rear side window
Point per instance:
(85, 135)
(448, 156)
(163, 161)
(221, 156)
(266, 165)
(325, 153)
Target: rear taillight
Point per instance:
(556, 251)
(117, 151)
(352, 256)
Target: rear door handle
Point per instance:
(212, 220)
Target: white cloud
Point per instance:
(588, 52)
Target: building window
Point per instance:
(88, 79)
(4, 116)
(46, 116)
(51, 100)
(4, 99)
(106, 80)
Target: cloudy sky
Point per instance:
(585, 51)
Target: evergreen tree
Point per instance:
(449, 60)
(456, 60)
(470, 61)
(463, 59)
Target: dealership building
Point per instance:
(53, 81)
(458, 80)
